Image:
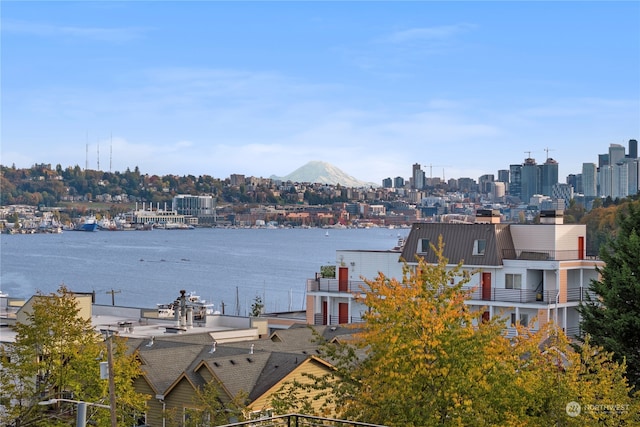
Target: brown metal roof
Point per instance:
(459, 242)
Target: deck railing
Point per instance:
(546, 255)
(476, 292)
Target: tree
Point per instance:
(210, 410)
(423, 358)
(55, 355)
(612, 317)
(257, 307)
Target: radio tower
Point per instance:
(86, 154)
(110, 152)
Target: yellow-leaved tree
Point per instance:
(421, 357)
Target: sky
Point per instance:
(261, 88)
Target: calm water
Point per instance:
(230, 266)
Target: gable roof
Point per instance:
(459, 242)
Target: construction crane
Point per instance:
(547, 150)
(438, 166)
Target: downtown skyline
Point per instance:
(260, 89)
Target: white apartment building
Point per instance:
(532, 274)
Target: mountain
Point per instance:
(323, 173)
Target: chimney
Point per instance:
(551, 217)
(488, 216)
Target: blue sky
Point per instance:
(261, 88)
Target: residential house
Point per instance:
(526, 273)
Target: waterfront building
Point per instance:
(198, 206)
(519, 272)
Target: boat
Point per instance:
(89, 224)
(199, 306)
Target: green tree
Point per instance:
(55, 355)
(257, 307)
(210, 409)
(612, 317)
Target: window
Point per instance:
(524, 319)
(513, 281)
(479, 246)
(423, 246)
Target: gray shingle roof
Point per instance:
(459, 242)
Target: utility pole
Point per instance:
(112, 383)
(113, 298)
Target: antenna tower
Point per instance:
(86, 154)
(110, 152)
(98, 154)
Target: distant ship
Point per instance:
(89, 224)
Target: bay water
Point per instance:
(145, 268)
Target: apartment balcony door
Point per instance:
(324, 312)
(581, 247)
(486, 286)
(343, 279)
(343, 313)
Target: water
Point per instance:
(230, 266)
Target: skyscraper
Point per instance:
(530, 180)
(616, 154)
(633, 149)
(418, 177)
(549, 176)
(515, 180)
(589, 179)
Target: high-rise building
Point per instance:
(485, 182)
(633, 149)
(619, 180)
(530, 179)
(387, 183)
(515, 180)
(589, 180)
(603, 160)
(398, 182)
(633, 166)
(616, 154)
(418, 177)
(548, 176)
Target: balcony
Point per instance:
(334, 285)
(545, 255)
(476, 294)
(526, 295)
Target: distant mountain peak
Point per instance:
(320, 172)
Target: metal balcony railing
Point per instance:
(546, 255)
(297, 420)
(333, 285)
(527, 295)
(321, 319)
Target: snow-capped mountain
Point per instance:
(323, 173)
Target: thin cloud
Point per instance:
(112, 35)
(439, 33)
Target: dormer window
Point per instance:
(423, 246)
(479, 246)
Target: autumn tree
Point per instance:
(612, 317)
(423, 358)
(55, 355)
